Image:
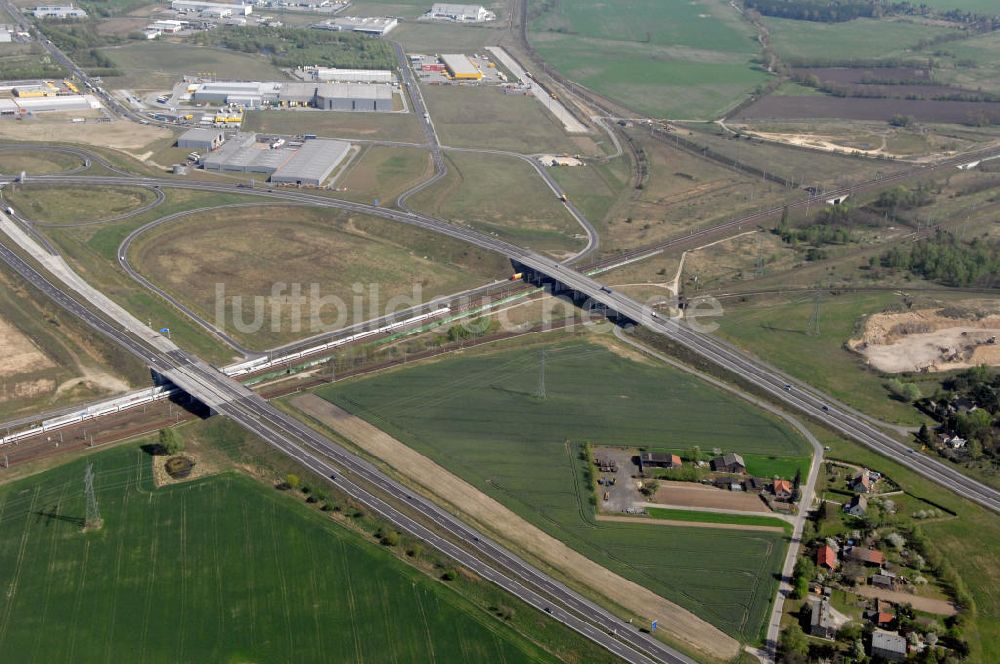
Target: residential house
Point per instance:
(867, 556)
(888, 645)
(858, 506)
(821, 623)
(826, 557)
(728, 463)
(782, 489)
(862, 482)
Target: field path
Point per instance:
(941, 607)
(684, 626)
(692, 524)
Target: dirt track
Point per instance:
(692, 524)
(690, 494)
(684, 626)
(940, 607)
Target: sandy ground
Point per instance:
(925, 340)
(18, 355)
(692, 524)
(940, 607)
(56, 127)
(683, 626)
(690, 494)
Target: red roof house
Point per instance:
(826, 557)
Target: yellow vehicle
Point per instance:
(517, 276)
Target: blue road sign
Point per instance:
(164, 330)
(652, 626)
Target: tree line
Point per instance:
(945, 260)
(297, 47)
(837, 11)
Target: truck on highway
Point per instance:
(563, 198)
(517, 276)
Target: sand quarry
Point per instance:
(930, 340)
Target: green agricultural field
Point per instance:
(473, 116)
(594, 189)
(477, 415)
(401, 8)
(383, 173)
(777, 332)
(158, 65)
(69, 205)
(504, 196)
(860, 39)
(220, 569)
(361, 265)
(717, 517)
(688, 60)
(972, 63)
(38, 163)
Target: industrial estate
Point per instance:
(531, 331)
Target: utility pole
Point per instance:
(93, 519)
(541, 378)
(814, 320)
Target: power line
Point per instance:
(540, 393)
(93, 519)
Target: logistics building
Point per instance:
(461, 67)
(327, 96)
(58, 11)
(25, 105)
(347, 75)
(460, 13)
(219, 9)
(307, 164)
(201, 139)
(369, 25)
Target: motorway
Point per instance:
(478, 553)
(821, 407)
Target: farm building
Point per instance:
(312, 163)
(867, 556)
(329, 74)
(58, 11)
(888, 645)
(6, 34)
(658, 460)
(826, 557)
(201, 139)
(374, 26)
(754, 484)
(821, 622)
(461, 13)
(858, 506)
(219, 9)
(887, 581)
(728, 463)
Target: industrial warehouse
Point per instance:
(306, 163)
(211, 9)
(326, 96)
(22, 98)
(369, 25)
(330, 74)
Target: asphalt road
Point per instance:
(821, 407)
(477, 552)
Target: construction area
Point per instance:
(306, 163)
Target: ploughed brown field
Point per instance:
(853, 108)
